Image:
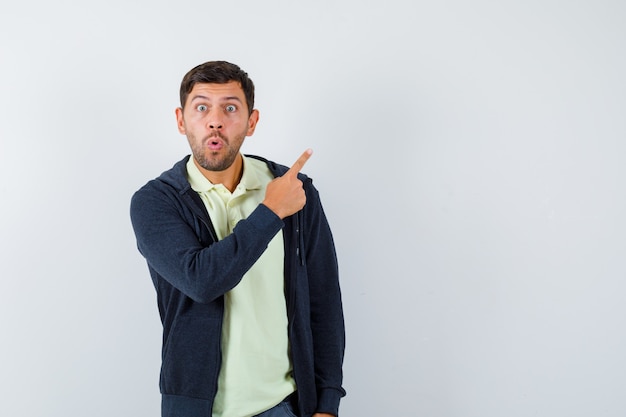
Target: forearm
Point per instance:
(202, 270)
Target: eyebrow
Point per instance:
(229, 98)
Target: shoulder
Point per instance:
(175, 177)
(276, 168)
(168, 185)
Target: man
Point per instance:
(244, 266)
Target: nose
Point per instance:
(214, 121)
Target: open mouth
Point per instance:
(215, 143)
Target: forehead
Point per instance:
(217, 92)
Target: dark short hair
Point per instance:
(217, 72)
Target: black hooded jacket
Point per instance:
(192, 270)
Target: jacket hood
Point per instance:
(176, 177)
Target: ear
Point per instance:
(180, 122)
(252, 121)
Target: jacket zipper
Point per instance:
(293, 275)
(201, 213)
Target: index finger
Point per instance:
(299, 164)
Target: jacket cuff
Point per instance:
(328, 401)
(265, 220)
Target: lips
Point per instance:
(215, 143)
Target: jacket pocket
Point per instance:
(191, 359)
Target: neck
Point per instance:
(229, 178)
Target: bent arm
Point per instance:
(166, 236)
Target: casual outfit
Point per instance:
(256, 370)
(213, 256)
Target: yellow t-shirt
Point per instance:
(256, 369)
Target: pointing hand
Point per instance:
(285, 195)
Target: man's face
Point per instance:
(216, 122)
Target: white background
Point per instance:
(470, 156)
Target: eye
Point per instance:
(201, 107)
(231, 108)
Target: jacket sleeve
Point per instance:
(327, 322)
(166, 236)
